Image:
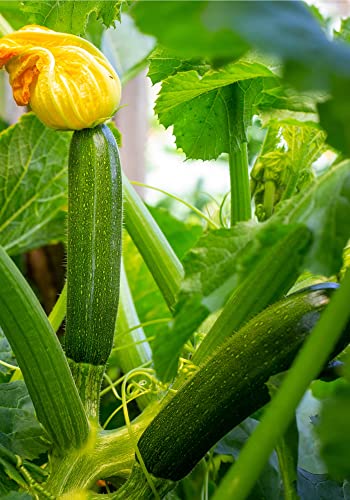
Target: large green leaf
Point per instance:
(165, 62)
(11, 10)
(227, 29)
(210, 113)
(20, 431)
(70, 16)
(178, 25)
(287, 30)
(33, 184)
(333, 429)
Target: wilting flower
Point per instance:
(67, 81)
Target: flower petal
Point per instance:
(69, 83)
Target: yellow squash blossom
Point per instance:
(67, 81)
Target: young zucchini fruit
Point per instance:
(230, 385)
(94, 252)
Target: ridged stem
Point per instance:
(131, 344)
(155, 249)
(239, 185)
(132, 347)
(41, 359)
(241, 477)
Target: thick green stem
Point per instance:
(239, 184)
(88, 379)
(155, 249)
(41, 359)
(241, 477)
(106, 454)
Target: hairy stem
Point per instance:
(156, 251)
(41, 359)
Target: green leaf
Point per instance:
(6, 355)
(284, 165)
(309, 443)
(288, 30)
(33, 184)
(333, 429)
(210, 114)
(335, 118)
(20, 431)
(165, 62)
(7, 486)
(11, 10)
(324, 208)
(70, 16)
(179, 26)
(228, 29)
(181, 235)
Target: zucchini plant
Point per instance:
(172, 337)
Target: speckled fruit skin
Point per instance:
(94, 245)
(230, 386)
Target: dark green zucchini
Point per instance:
(230, 386)
(94, 245)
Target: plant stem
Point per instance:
(88, 379)
(155, 249)
(241, 477)
(239, 185)
(41, 359)
(138, 351)
(106, 454)
(133, 349)
(5, 27)
(58, 312)
(268, 280)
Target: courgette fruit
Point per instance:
(230, 386)
(94, 245)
